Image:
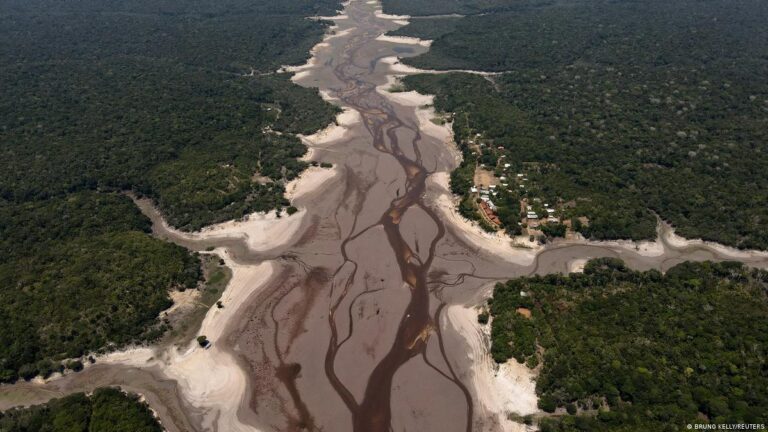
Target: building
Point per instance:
(488, 210)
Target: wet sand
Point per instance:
(351, 315)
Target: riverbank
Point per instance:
(209, 378)
(509, 388)
(357, 311)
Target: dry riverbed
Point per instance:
(357, 313)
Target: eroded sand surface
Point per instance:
(358, 312)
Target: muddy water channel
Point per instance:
(348, 332)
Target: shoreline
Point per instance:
(404, 40)
(515, 388)
(210, 379)
(224, 380)
(513, 380)
(260, 232)
(443, 200)
(646, 248)
(670, 237)
(401, 68)
(509, 388)
(215, 381)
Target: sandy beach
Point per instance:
(221, 389)
(497, 244)
(209, 378)
(310, 180)
(335, 132)
(406, 40)
(506, 388)
(667, 235)
(259, 231)
(397, 67)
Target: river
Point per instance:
(342, 327)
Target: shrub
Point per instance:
(483, 318)
(75, 365)
(203, 341)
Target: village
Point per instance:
(506, 200)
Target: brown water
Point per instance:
(347, 335)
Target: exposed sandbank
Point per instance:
(439, 183)
(397, 67)
(213, 380)
(335, 132)
(209, 378)
(310, 180)
(577, 265)
(399, 19)
(497, 244)
(668, 235)
(259, 231)
(404, 40)
(500, 389)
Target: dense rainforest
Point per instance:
(175, 100)
(107, 409)
(449, 7)
(623, 110)
(81, 273)
(179, 101)
(622, 350)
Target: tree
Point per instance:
(75, 365)
(483, 318)
(547, 404)
(553, 229)
(28, 371)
